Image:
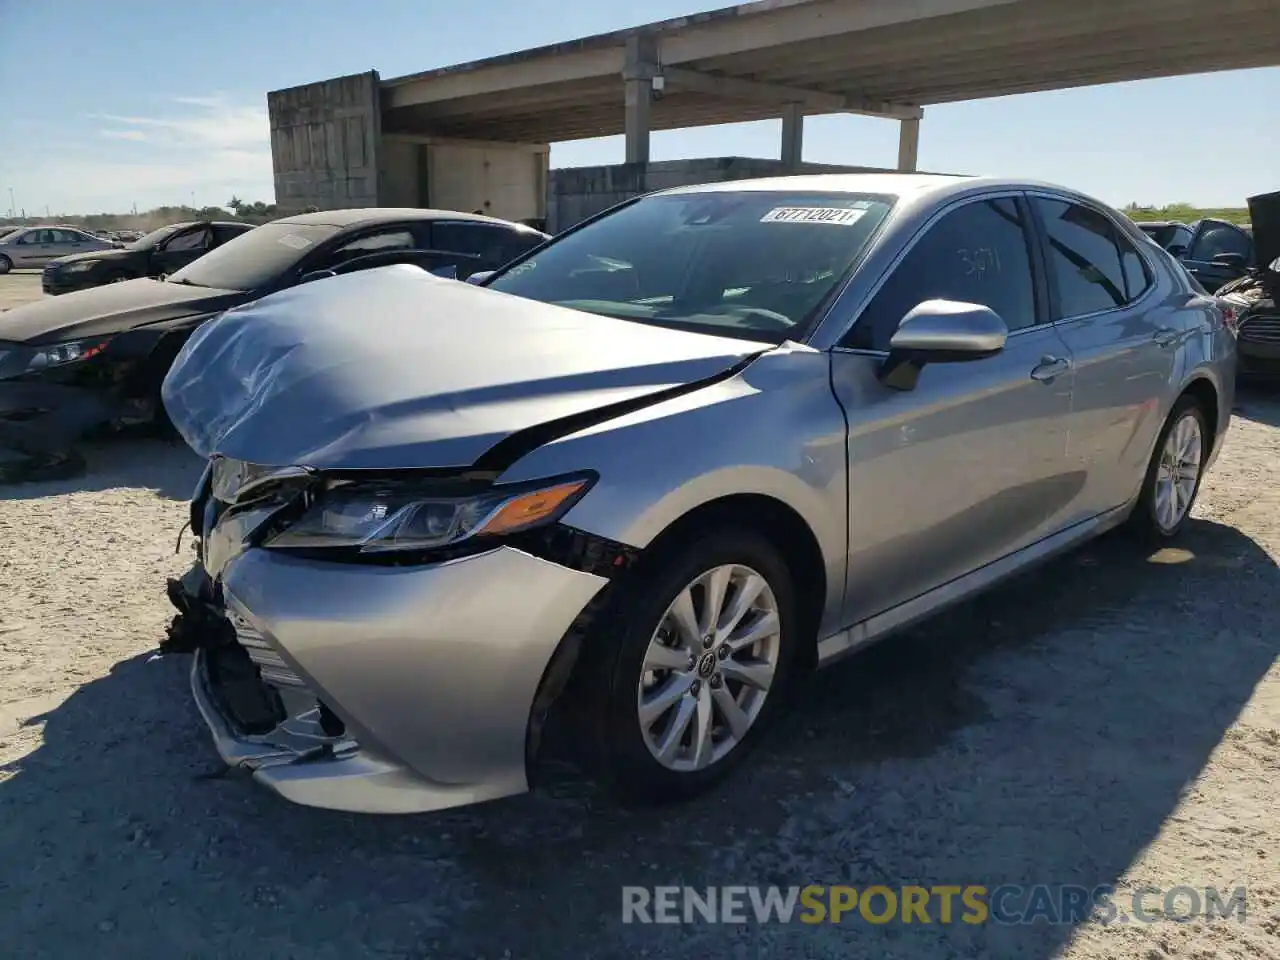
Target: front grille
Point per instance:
(269, 663)
(1261, 329)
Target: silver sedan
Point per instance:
(657, 469)
(35, 246)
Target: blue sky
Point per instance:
(164, 101)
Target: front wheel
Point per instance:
(1174, 474)
(692, 666)
(5, 264)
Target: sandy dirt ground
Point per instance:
(1111, 718)
(19, 287)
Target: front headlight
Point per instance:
(73, 351)
(377, 517)
(80, 266)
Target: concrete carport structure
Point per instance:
(770, 59)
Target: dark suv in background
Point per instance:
(1214, 251)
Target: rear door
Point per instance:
(1212, 239)
(971, 465)
(1123, 340)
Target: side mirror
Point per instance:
(941, 331)
(1236, 261)
(317, 275)
(480, 277)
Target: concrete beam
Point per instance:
(908, 145)
(504, 77)
(792, 136)
(800, 23)
(427, 140)
(813, 101)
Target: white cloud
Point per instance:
(197, 147)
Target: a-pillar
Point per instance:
(637, 75)
(908, 145)
(792, 135)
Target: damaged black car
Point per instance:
(1254, 295)
(95, 359)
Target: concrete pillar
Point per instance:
(908, 145)
(637, 77)
(792, 135)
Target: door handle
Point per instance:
(1165, 336)
(1049, 368)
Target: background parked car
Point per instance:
(35, 246)
(1218, 251)
(162, 251)
(1167, 233)
(1254, 296)
(98, 356)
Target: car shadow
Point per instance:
(1259, 400)
(166, 466)
(1041, 734)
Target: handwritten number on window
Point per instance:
(979, 261)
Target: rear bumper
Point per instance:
(432, 670)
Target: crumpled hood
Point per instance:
(1264, 217)
(393, 368)
(114, 308)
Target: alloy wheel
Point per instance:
(1178, 473)
(709, 667)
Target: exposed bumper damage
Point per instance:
(376, 689)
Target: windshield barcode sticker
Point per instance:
(294, 241)
(840, 216)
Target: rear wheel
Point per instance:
(693, 666)
(1173, 477)
(5, 264)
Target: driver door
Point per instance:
(180, 249)
(970, 465)
(1212, 239)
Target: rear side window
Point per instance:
(975, 254)
(1094, 265)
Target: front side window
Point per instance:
(190, 240)
(1094, 266)
(750, 264)
(977, 253)
(1219, 238)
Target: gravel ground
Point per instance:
(1111, 718)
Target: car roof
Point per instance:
(371, 215)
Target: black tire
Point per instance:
(1144, 520)
(614, 658)
(5, 264)
(34, 468)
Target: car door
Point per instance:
(1211, 240)
(970, 465)
(482, 246)
(177, 251)
(63, 243)
(1123, 341)
(32, 248)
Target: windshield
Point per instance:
(256, 257)
(751, 264)
(155, 236)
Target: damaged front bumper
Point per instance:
(383, 689)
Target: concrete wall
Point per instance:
(326, 142)
(575, 193)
